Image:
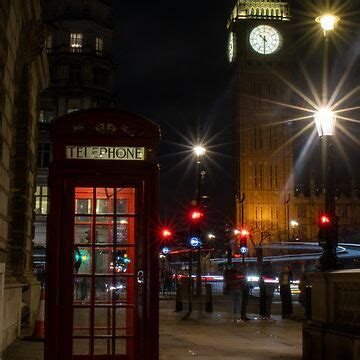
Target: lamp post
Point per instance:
(325, 121)
(199, 152)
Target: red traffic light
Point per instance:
(166, 233)
(325, 220)
(196, 215)
(244, 232)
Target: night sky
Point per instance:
(172, 68)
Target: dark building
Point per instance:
(80, 53)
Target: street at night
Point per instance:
(180, 180)
(215, 336)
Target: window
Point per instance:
(343, 212)
(301, 211)
(76, 42)
(43, 160)
(255, 137)
(75, 73)
(41, 200)
(255, 177)
(73, 105)
(99, 46)
(45, 116)
(48, 44)
(261, 176)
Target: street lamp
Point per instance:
(294, 225)
(327, 22)
(199, 151)
(325, 121)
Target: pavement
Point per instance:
(214, 336)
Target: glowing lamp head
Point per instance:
(199, 150)
(324, 219)
(244, 232)
(327, 22)
(237, 232)
(196, 215)
(294, 223)
(166, 233)
(325, 121)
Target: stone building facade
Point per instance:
(24, 74)
(80, 52)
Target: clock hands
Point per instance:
(265, 41)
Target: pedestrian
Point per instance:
(245, 291)
(285, 279)
(235, 290)
(262, 298)
(268, 284)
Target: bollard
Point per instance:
(179, 298)
(208, 298)
(308, 302)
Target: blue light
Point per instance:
(243, 250)
(195, 241)
(165, 250)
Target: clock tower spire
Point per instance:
(258, 52)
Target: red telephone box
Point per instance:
(102, 253)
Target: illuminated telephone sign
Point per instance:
(105, 153)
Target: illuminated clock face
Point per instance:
(265, 39)
(231, 47)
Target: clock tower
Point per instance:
(259, 52)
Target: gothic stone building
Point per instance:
(269, 202)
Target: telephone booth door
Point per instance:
(102, 253)
(104, 263)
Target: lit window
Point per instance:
(41, 200)
(99, 45)
(45, 116)
(76, 41)
(48, 44)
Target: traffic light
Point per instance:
(325, 225)
(196, 215)
(165, 235)
(244, 234)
